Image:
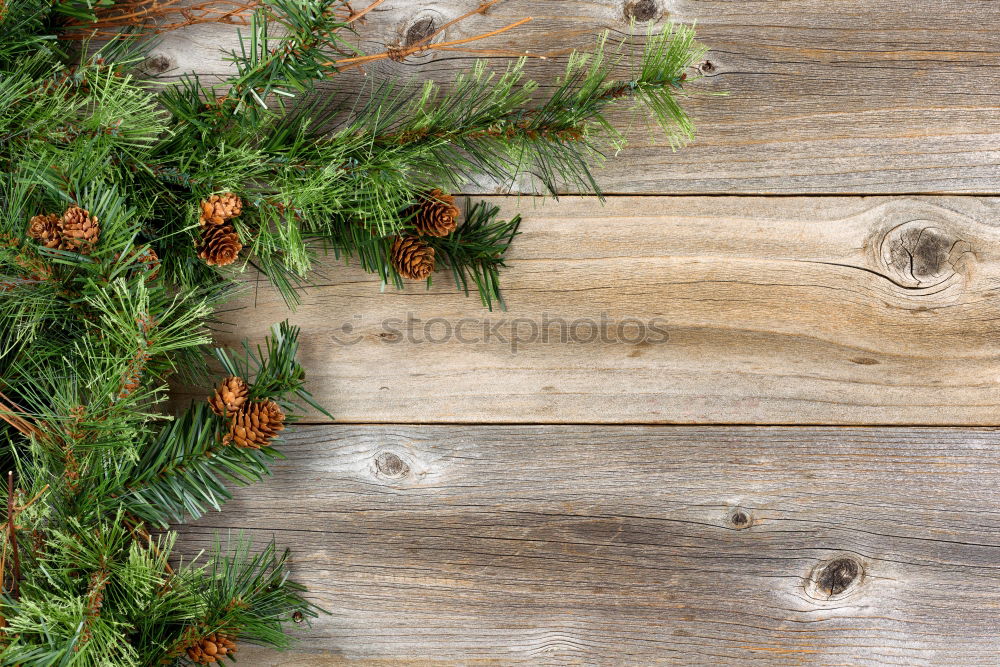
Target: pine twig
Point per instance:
(139, 532)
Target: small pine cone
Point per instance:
(45, 228)
(436, 214)
(219, 245)
(229, 397)
(80, 230)
(412, 257)
(255, 424)
(212, 648)
(218, 208)
(150, 261)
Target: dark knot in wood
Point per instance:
(922, 254)
(390, 465)
(740, 519)
(641, 10)
(835, 577)
(420, 30)
(157, 64)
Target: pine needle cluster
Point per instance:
(128, 211)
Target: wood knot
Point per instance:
(419, 30)
(920, 254)
(739, 518)
(835, 578)
(707, 67)
(157, 64)
(390, 466)
(415, 33)
(641, 10)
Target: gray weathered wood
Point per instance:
(862, 97)
(607, 545)
(776, 310)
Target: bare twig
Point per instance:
(15, 557)
(357, 16)
(401, 53)
(9, 413)
(158, 16)
(13, 511)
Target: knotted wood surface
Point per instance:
(824, 257)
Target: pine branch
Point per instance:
(274, 372)
(475, 251)
(184, 472)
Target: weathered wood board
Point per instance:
(856, 97)
(436, 536)
(678, 310)
(611, 545)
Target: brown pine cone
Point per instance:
(229, 397)
(212, 648)
(218, 208)
(150, 261)
(45, 228)
(80, 230)
(412, 257)
(436, 214)
(255, 424)
(219, 245)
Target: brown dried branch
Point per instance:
(360, 15)
(159, 16)
(15, 556)
(400, 53)
(9, 413)
(13, 510)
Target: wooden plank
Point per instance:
(679, 310)
(605, 545)
(869, 98)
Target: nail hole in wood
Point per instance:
(836, 577)
(390, 465)
(641, 10)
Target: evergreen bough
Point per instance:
(92, 331)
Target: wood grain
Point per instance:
(611, 545)
(678, 310)
(859, 98)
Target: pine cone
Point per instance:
(255, 424)
(218, 208)
(80, 230)
(45, 228)
(229, 397)
(412, 257)
(219, 245)
(436, 214)
(150, 261)
(212, 648)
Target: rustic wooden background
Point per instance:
(796, 466)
